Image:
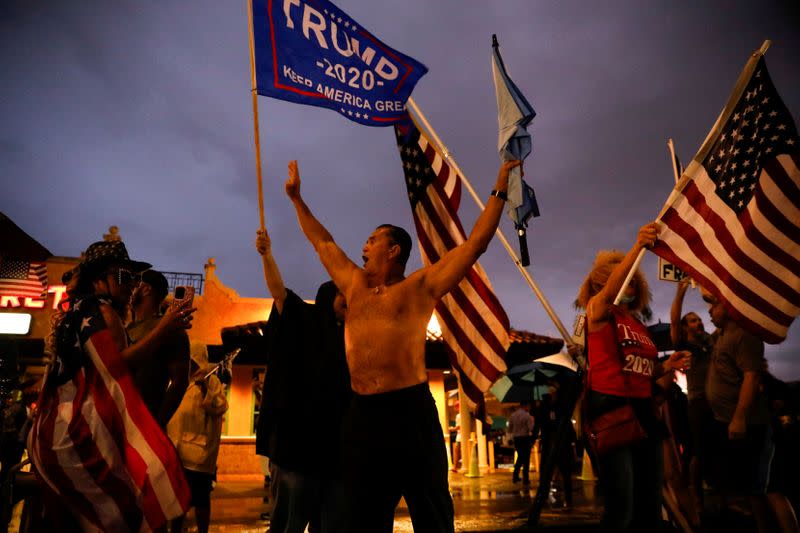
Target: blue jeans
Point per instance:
(631, 479)
(302, 500)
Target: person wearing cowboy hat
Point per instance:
(102, 461)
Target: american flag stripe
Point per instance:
(144, 443)
(437, 236)
(479, 370)
(767, 203)
(738, 262)
(474, 325)
(64, 458)
(442, 198)
(756, 230)
(452, 183)
(758, 269)
(469, 302)
(744, 315)
(684, 241)
(433, 237)
(483, 348)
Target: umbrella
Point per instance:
(531, 381)
(514, 113)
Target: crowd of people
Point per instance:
(125, 431)
(127, 428)
(728, 445)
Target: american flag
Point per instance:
(733, 220)
(99, 453)
(474, 325)
(21, 278)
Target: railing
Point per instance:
(176, 279)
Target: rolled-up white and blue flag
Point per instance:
(514, 113)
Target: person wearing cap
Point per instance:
(101, 460)
(195, 429)
(162, 378)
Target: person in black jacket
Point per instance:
(306, 369)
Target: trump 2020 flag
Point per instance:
(311, 52)
(733, 220)
(514, 113)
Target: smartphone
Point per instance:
(183, 294)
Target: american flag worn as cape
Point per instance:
(474, 325)
(96, 448)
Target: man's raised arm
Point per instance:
(446, 273)
(338, 265)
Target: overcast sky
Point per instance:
(138, 114)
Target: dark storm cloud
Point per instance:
(138, 114)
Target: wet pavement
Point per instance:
(487, 503)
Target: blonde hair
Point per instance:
(604, 264)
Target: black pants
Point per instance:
(523, 446)
(394, 446)
(10, 456)
(564, 459)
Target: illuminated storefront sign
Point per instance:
(15, 323)
(59, 292)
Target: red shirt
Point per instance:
(638, 351)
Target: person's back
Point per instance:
(521, 426)
(196, 426)
(306, 372)
(195, 429)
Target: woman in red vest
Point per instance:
(622, 368)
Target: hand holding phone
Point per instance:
(183, 294)
(181, 307)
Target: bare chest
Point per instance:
(381, 303)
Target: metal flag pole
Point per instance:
(677, 172)
(254, 95)
(551, 313)
(744, 77)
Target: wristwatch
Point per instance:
(500, 194)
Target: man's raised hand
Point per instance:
(293, 183)
(505, 169)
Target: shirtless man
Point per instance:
(393, 415)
